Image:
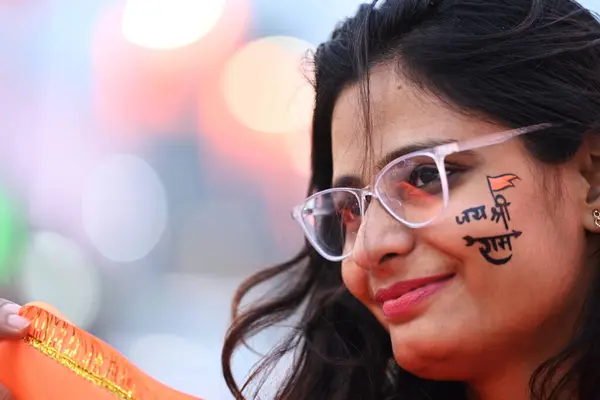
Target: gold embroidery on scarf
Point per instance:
(79, 352)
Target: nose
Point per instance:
(380, 238)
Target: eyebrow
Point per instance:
(354, 181)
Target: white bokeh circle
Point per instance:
(57, 271)
(124, 208)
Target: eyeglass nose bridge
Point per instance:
(370, 193)
(366, 195)
(363, 194)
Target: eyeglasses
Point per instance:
(413, 189)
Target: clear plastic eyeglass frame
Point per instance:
(438, 154)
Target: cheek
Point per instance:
(538, 266)
(548, 264)
(492, 219)
(356, 281)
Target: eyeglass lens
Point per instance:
(411, 190)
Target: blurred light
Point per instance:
(297, 145)
(53, 160)
(226, 233)
(22, 17)
(12, 238)
(138, 91)
(202, 301)
(124, 208)
(287, 236)
(313, 20)
(195, 311)
(303, 101)
(132, 93)
(57, 271)
(157, 354)
(167, 24)
(266, 87)
(593, 5)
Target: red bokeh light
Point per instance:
(138, 90)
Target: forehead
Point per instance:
(400, 115)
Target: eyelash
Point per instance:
(451, 170)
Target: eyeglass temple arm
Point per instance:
(488, 140)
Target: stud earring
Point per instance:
(596, 215)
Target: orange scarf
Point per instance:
(58, 361)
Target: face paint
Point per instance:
(494, 243)
(499, 212)
(497, 184)
(477, 213)
(501, 182)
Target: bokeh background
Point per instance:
(150, 152)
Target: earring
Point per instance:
(596, 215)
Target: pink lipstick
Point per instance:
(401, 298)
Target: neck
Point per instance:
(510, 383)
(507, 376)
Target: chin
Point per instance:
(427, 357)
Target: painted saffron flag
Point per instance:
(501, 182)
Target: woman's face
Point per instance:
(512, 302)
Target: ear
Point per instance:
(590, 170)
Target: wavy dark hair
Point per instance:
(514, 62)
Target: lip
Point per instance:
(402, 297)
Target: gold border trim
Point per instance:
(80, 352)
(79, 370)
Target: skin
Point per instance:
(12, 327)
(489, 326)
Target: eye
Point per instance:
(424, 175)
(427, 176)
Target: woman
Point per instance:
(492, 294)
(467, 267)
